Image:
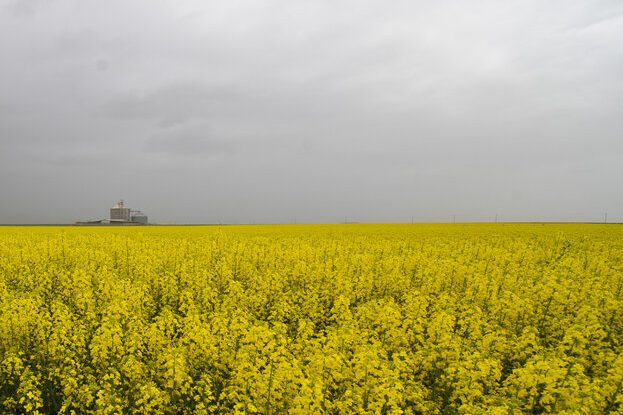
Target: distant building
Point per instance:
(120, 212)
(120, 215)
(138, 217)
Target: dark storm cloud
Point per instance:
(311, 110)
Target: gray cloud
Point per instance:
(22, 8)
(172, 104)
(311, 111)
(189, 145)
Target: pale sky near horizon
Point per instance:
(311, 111)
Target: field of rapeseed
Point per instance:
(318, 319)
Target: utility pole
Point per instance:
(453, 218)
(496, 218)
(606, 218)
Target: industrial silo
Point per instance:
(139, 217)
(120, 212)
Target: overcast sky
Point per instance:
(311, 111)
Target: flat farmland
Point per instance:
(312, 319)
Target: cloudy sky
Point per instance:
(311, 110)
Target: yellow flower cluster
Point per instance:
(312, 319)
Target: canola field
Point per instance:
(312, 319)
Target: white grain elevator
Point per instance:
(119, 212)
